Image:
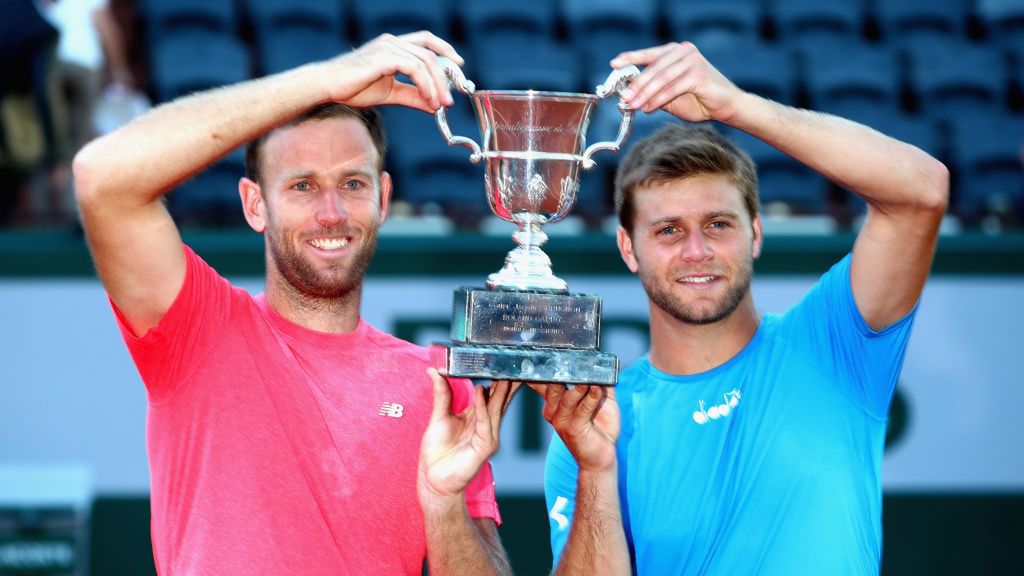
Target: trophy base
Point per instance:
(531, 364)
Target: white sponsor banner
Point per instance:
(69, 392)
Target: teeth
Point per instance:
(329, 243)
(698, 279)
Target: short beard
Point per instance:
(311, 283)
(696, 315)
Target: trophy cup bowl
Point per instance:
(525, 324)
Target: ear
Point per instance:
(385, 195)
(254, 205)
(626, 249)
(758, 237)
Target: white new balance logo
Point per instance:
(391, 409)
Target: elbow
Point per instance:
(85, 172)
(934, 191)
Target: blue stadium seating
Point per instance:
(1005, 22)
(402, 16)
(495, 21)
(289, 33)
(164, 17)
(811, 23)
(604, 28)
(764, 69)
(193, 61)
(211, 197)
(781, 179)
(987, 150)
(902, 22)
(845, 78)
(427, 170)
(294, 46)
(527, 64)
(712, 23)
(956, 79)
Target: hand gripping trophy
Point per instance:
(525, 324)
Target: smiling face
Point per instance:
(320, 202)
(693, 245)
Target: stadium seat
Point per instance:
(987, 149)
(842, 78)
(1005, 22)
(527, 64)
(781, 179)
(294, 46)
(903, 21)
(954, 79)
(211, 197)
(401, 16)
(192, 61)
(764, 69)
(712, 23)
(808, 24)
(164, 17)
(289, 33)
(495, 21)
(602, 29)
(428, 171)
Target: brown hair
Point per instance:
(676, 152)
(369, 117)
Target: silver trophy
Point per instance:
(525, 324)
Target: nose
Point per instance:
(330, 210)
(696, 248)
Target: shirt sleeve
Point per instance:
(560, 472)
(166, 355)
(828, 328)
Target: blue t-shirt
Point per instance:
(767, 464)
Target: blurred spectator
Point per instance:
(89, 38)
(26, 41)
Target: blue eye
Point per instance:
(353, 184)
(302, 186)
(719, 225)
(666, 230)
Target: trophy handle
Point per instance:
(457, 80)
(615, 83)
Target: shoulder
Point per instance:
(386, 343)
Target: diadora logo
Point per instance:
(391, 409)
(703, 414)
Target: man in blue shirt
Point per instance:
(747, 443)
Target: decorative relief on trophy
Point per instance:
(525, 324)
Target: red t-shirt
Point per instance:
(275, 449)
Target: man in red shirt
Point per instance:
(286, 435)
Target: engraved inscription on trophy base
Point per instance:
(524, 318)
(532, 364)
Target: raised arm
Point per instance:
(587, 420)
(906, 190)
(121, 177)
(454, 448)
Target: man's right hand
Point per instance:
(587, 420)
(366, 76)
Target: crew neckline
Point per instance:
(651, 370)
(307, 335)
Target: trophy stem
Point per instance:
(527, 267)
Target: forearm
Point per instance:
(146, 158)
(455, 544)
(597, 541)
(887, 173)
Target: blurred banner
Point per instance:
(69, 392)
